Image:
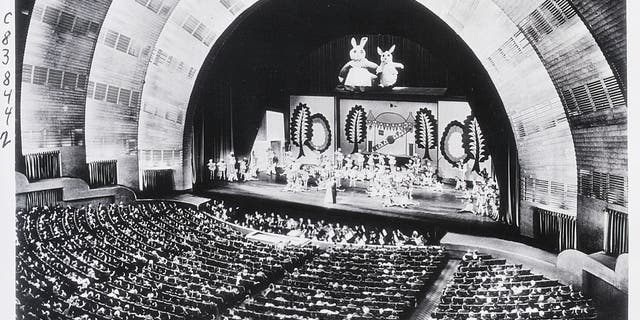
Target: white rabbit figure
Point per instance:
(387, 70)
(357, 73)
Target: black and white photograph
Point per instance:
(316, 160)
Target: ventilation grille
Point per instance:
(234, 6)
(41, 198)
(63, 21)
(161, 158)
(112, 94)
(163, 59)
(199, 30)
(54, 78)
(511, 52)
(550, 15)
(556, 230)
(162, 8)
(603, 186)
(616, 232)
(103, 173)
(42, 165)
(539, 118)
(551, 193)
(599, 95)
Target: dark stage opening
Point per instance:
(281, 48)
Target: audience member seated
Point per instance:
(349, 283)
(282, 223)
(150, 260)
(488, 288)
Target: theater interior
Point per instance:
(225, 159)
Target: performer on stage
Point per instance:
(212, 170)
(232, 174)
(242, 167)
(370, 163)
(270, 162)
(222, 170)
(253, 166)
(339, 158)
(332, 191)
(460, 180)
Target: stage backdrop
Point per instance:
(386, 127)
(311, 127)
(460, 139)
(442, 133)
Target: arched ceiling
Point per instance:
(135, 63)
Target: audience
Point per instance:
(489, 288)
(320, 230)
(162, 260)
(349, 283)
(153, 260)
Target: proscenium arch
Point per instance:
(495, 121)
(524, 88)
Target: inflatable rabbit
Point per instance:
(387, 70)
(357, 70)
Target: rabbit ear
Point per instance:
(393, 47)
(379, 50)
(363, 41)
(353, 42)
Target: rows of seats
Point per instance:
(155, 260)
(488, 288)
(317, 229)
(349, 283)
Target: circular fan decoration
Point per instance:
(321, 133)
(451, 143)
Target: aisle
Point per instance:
(432, 296)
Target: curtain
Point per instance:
(102, 173)
(616, 232)
(510, 188)
(212, 131)
(157, 181)
(556, 229)
(42, 198)
(42, 165)
(566, 232)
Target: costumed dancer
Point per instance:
(212, 170)
(370, 163)
(232, 174)
(331, 192)
(253, 167)
(270, 163)
(222, 170)
(243, 169)
(460, 183)
(392, 162)
(339, 158)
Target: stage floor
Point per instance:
(441, 208)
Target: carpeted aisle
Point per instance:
(432, 296)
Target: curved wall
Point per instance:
(552, 67)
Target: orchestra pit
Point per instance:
(323, 159)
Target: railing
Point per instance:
(556, 229)
(43, 198)
(103, 173)
(616, 232)
(157, 181)
(42, 165)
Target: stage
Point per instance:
(441, 209)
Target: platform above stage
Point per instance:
(433, 207)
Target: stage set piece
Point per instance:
(396, 144)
